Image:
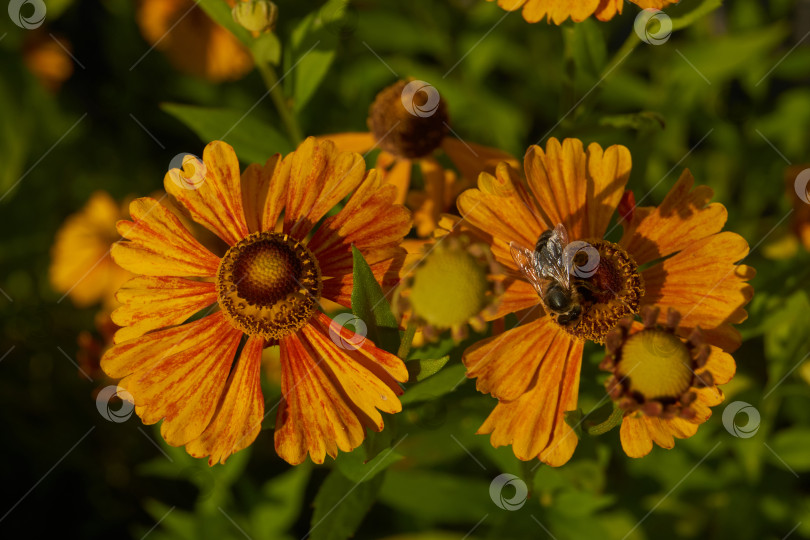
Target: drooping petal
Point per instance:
(684, 217)
(506, 365)
(472, 159)
(238, 419)
(327, 403)
(635, 437)
(659, 432)
(214, 201)
(534, 424)
(352, 142)
(177, 376)
(159, 244)
(705, 285)
(502, 208)
(721, 365)
(155, 302)
(398, 175)
(370, 221)
(255, 187)
(578, 189)
(319, 177)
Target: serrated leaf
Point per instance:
(341, 505)
(371, 306)
(419, 370)
(253, 139)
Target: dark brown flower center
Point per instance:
(611, 291)
(269, 284)
(409, 119)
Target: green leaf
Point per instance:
(340, 506)
(358, 468)
(221, 13)
(312, 52)
(419, 370)
(370, 305)
(790, 446)
(442, 383)
(253, 139)
(267, 49)
(281, 503)
(639, 121)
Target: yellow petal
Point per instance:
(238, 419)
(177, 376)
(319, 177)
(255, 186)
(351, 142)
(705, 285)
(214, 201)
(534, 424)
(160, 245)
(635, 438)
(684, 217)
(155, 302)
(505, 365)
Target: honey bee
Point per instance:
(548, 269)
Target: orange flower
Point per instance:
(664, 382)
(534, 369)
(182, 369)
(47, 58)
(194, 43)
(81, 266)
(558, 11)
(411, 136)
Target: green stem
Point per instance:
(612, 421)
(287, 115)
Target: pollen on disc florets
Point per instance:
(654, 371)
(412, 132)
(612, 291)
(269, 284)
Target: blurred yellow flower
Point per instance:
(47, 58)
(81, 266)
(193, 42)
(266, 287)
(689, 265)
(558, 11)
(409, 122)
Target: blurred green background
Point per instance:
(727, 96)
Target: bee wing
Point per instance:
(527, 263)
(551, 257)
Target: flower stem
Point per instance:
(282, 105)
